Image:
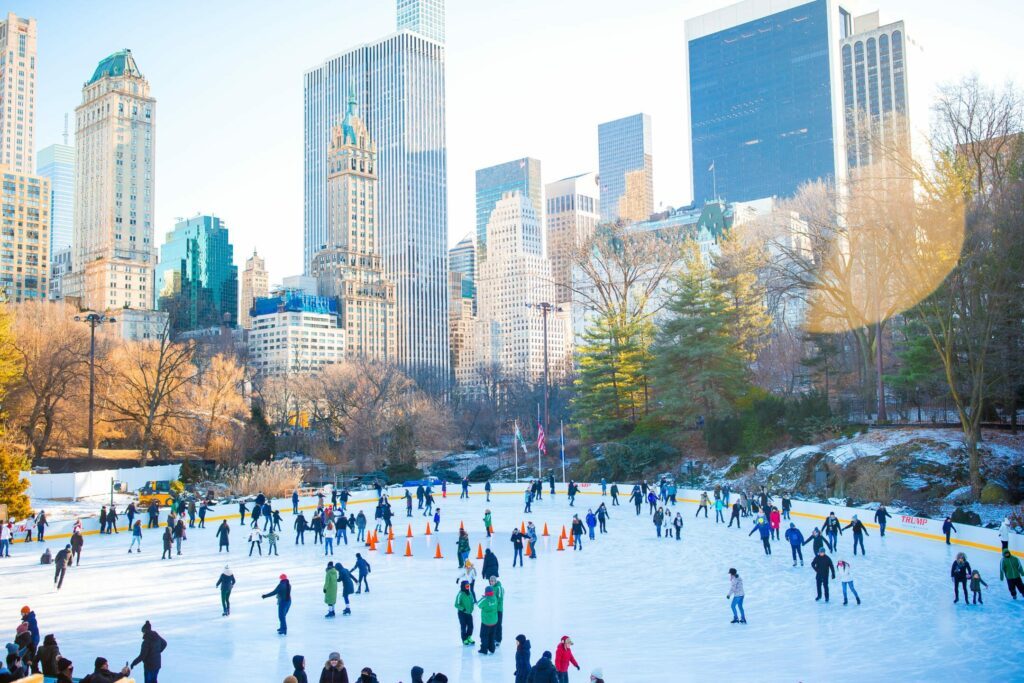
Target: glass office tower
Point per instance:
(57, 162)
(625, 169)
(519, 175)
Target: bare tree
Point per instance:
(217, 402)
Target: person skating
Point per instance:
(571, 492)
(762, 526)
(101, 672)
(531, 535)
(334, 670)
(881, 515)
(845, 575)
(823, 567)
(736, 594)
(130, 513)
(41, 524)
(517, 547)
(272, 538)
(487, 490)
(330, 589)
(361, 527)
(1010, 569)
(638, 499)
(658, 519)
(361, 570)
(465, 488)
(317, 527)
(490, 566)
(976, 583)
(602, 518)
(348, 586)
(408, 504)
(329, 532)
(468, 575)
(428, 502)
(77, 541)
(103, 519)
(300, 529)
(168, 540)
(787, 506)
(796, 542)
(499, 595)
(947, 528)
(522, 672)
(591, 520)
(543, 670)
(295, 502)
(437, 519)
(551, 482)
(960, 571)
(817, 541)
(179, 534)
(1004, 533)
(736, 509)
(223, 531)
(563, 658)
(136, 543)
(225, 582)
(833, 529)
(65, 670)
(488, 605)
(577, 530)
(299, 669)
(462, 548)
(775, 521)
(614, 491)
(149, 653)
(464, 604)
(652, 502)
(677, 524)
(487, 522)
(283, 593)
(703, 505)
(242, 509)
(60, 565)
(859, 532)
(719, 506)
(528, 500)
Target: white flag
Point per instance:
(711, 167)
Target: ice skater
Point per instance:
(223, 531)
(959, 572)
(563, 658)
(531, 535)
(283, 593)
(300, 529)
(976, 583)
(226, 582)
(517, 547)
(703, 505)
(677, 524)
(577, 532)
(468, 575)
(614, 491)
(881, 515)
(1010, 569)
(330, 589)
(149, 653)
(136, 537)
(60, 565)
(168, 539)
(361, 570)
(719, 506)
(637, 498)
(487, 522)
(796, 542)
(255, 541)
(822, 566)
(462, 548)
(736, 594)
(488, 605)
(761, 525)
(775, 521)
(736, 509)
(77, 541)
(846, 579)
(947, 528)
(437, 519)
(833, 530)
(464, 604)
(859, 532)
(817, 541)
(591, 523)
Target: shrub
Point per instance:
(480, 473)
(962, 516)
(994, 493)
(275, 479)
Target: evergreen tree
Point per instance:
(919, 376)
(261, 436)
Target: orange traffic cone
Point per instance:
(572, 539)
(428, 528)
(389, 551)
(437, 552)
(408, 534)
(522, 528)
(545, 529)
(408, 548)
(479, 551)
(563, 532)
(391, 534)
(528, 553)
(560, 546)
(373, 543)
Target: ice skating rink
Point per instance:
(644, 609)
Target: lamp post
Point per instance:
(93, 319)
(545, 309)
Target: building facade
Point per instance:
(573, 212)
(113, 251)
(350, 268)
(255, 284)
(493, 183)
(57, 162)
(425, 17)
(626, 168)
(132, 324)
(197, 279)
(400, 81)
(60, 267)
(18, 93)
(294, 332)
(462, 258)
(24, 236)
(461, 323)
(513, 279)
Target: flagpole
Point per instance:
(714, 180)
(515, 448)
(561, 432)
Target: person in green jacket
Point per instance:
(1010, 568)
(464, 605)
(499, 594)
(330, 589)
(462, 548)
(488, 620)
(487, 522)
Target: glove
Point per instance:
(577, 667)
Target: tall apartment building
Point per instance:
(255, 284)
(511, 281)
(60, 267)
(494, 182)
(294, 332)
(573, 212)
(626, 169)
(24, 235)
(18, 93)
(197, 279)
(57, 162)
(113, 251)
(461, 323)
(350, 268)
(400, 81)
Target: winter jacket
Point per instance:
(33, 627)
(255, 536)
(522, 671)
(222, 534)
(149, 653)
(361, 567)
(591, 520)
(490, 567)
(332, 674)
(881, 514)
(1004, 531)
(487, 521)
(735, 587)
(348, 583)
(47, 655)
(577, 527)
(226, 582)
(331, 586)
(947, 526)
(822, 566)
(844, 573)
(960, 571)
(283, 592)
(563, 656)
(794, 536)
(775, 519)
(103, 676)
(543, 671)
(300, 523)
(832, 525)
(763, 527)
(77, 541)
(300, 672)
(517, 539)
(488, 610)
(659, 517)
(858, 528)
(464, 602)
(977, 583)
(467, 574)
(1009, 567)
(817, 542)
(499, 595)
(463, 545)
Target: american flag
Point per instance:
(542, 444)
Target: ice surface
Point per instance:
(645, 609)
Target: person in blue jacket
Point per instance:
(283, 593)
(796, 542)
(591, 523)
(295, 502)
(522, 671)
(947, 527)
(149, 653)
(881, 515)
(361, 569)
(765, 528)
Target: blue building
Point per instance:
(625, 168)
(57, 162)
(765, 91)
(519, 175)
(399, 81)
(197, 279)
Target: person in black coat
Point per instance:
(544, 670)
(490, 567)
(101, 673)
(859, 532)
(223, 531)
(60, 565)
(168, 538)
(300, 529)
(961, 571)
(299, 662)
(822, 566)
(242, 509)
(522, 659)
(283, 593)
(149, 653)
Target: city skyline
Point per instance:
(261, 155)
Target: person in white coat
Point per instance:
(736, 593)
(845, 575)
(1004, 533)
(468, 574)
(255, 541)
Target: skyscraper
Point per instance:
(350, 269)
(25, 235)
(18, 93)
(425, 17)
(494, 182)
(113, 251)
(573, 214)
(400, 81)
(57, 162)
(626, 169)
(766, 112)
(462, 258)
(255, 284)
(197, 279)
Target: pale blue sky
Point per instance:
(525, 77)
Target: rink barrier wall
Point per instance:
(74, 485)
(918, 527)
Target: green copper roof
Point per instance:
(115, 65)
(347, 129)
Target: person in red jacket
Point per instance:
(563, 658)
(775, 520)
